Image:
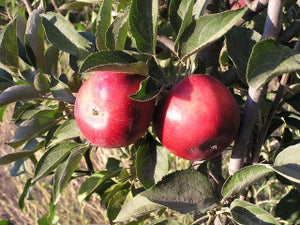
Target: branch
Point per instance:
(255, 7)
(271, 30)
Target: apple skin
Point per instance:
(197, 119)
(105, 114)
(237, 4)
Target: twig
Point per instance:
(271, 30)
(28, 7)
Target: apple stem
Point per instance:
(241, 146)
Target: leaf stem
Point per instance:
(201, 219)
(28, 7)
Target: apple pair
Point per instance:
(197, 119)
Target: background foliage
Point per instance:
(47, 50)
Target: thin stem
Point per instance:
(89, 161)
(28, 7)
(201, 219)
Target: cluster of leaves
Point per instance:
(135, 37)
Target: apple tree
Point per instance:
(118, 63)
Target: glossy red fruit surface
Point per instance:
(105, 114)
(197, 119)
(237, 4)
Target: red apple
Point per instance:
(237, 4)
(197, 119)
(105, 114)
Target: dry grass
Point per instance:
(69, 211)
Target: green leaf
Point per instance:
(61, 33)
(148, 90)
(239, 42)
(103, 22)
(287, 163)
(65, 170)
(248, 214)
(29, 149)
(181, 13)
(117, 33)
(2, 110)
(288, 155)
(151, 163)
(290, 171)
(73, 5)
(18, 93)
(35, 36)
(185, 191)
(52, 158)
(206, 30)
(67, 130)
(199, 8)
(41, 83)
(18, 168)
(143, 24)
(268, 60)
(90, 185)
(115, 204)
(26, 191)
(6, 80)
(3, 3)
(116, 61)
(51, 57)
(112, 190)
(9, 59)
(5, 222)
(61, 91)
(135, 208)
(236, 183)
(156, 72)
(29, 128)
(289, 207)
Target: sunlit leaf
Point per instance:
(116, 61)
(206, 30)
(236, 183)
(248, 214)
(65, 170)
(268, 60)
(143, 24)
